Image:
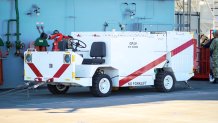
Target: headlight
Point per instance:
(28, 58)
(67, 59)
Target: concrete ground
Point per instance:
(184, 105)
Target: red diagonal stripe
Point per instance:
(142, 70)
(61, 70)
(34, 69)
(182, 47)
(154, 63)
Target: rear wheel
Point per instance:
(58, 89)
(165, 81)
(101, 85)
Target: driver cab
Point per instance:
(71, 43)
(97, 51)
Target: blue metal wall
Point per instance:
(78, 15)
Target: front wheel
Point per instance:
(58, 89)
(101, 85)
(164, 81)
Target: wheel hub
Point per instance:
(104, 85)
(61, 87)
(168, 82)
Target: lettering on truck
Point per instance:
(137, 83)
(133, 45)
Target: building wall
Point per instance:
(77, 15)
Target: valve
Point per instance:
(8, 45)
(19, 45)
(1, 42)
(2, 55)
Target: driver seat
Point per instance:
(98, 51)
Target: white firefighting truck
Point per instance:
(103, 60)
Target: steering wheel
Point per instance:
(78, 44)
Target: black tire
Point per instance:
(159, 81)
(95, 90)
(55, 89)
